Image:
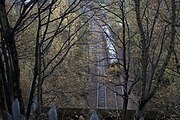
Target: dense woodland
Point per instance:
(46, 56)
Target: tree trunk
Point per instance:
(125, 104)
(2, 92)
(139, 113)
(15, 70)
(140, 110)
(12, 64)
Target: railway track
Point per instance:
(104, 96)
(101, 96)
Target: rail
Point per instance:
(101, 96)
